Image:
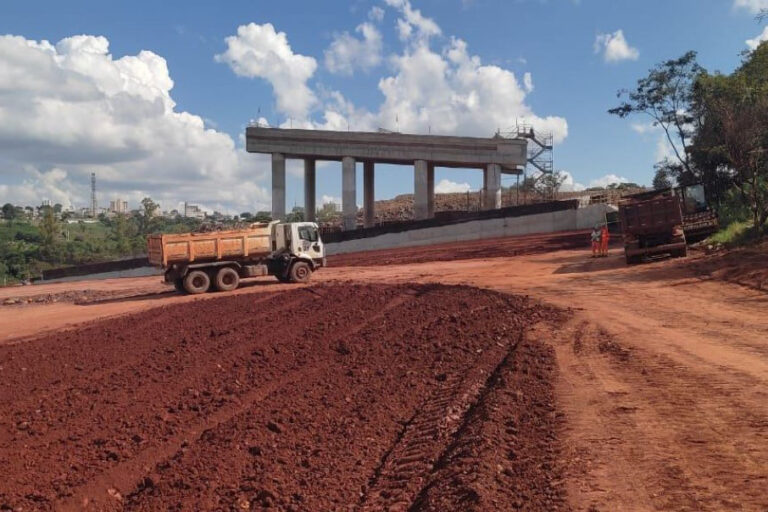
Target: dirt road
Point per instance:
(661, 386)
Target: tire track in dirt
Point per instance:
(409, 462)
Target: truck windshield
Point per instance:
(308, 233)
(695, 200)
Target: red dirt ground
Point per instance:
(655, 401)
(335, 397)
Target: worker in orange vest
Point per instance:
(595, 236)
(605, 237)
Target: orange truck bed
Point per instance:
(244, 244)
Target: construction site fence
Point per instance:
(95, 268)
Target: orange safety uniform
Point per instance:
(605, 237)
(595, 236)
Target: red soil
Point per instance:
(325, 398)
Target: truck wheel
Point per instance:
(227, 279)
(196, 282)
(300, 272)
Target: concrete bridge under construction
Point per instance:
(494, 156)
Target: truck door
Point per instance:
(309, 243)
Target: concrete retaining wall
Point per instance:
(567, 220)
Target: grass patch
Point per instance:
(735, 234)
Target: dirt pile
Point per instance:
(487, 248)
(322, 398)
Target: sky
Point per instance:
(154, 97)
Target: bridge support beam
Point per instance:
(278, 186)
(369, 197)
(492, 187)
(423, 190)
(348, 193)
(310, 193)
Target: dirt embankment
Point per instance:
(746, 266)
(325, 398)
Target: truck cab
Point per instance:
(300, 239)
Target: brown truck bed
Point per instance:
(650, 216)
(253, 243)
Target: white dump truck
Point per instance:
(199, 262)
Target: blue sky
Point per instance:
(572, 81)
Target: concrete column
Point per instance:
(492, 187)
(430, 190)
(309, 190)
(420, 190)
(278, 186)
(369, 196)
(348, 193)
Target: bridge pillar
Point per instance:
(421, 190)
(278, 186)
(348, 193)
(369, 197)
(492, 187)
(310, 193)
(430, 190)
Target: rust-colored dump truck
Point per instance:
(199, 262)
(652, 224)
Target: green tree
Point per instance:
(666, 96)
(296, 215)
(262, 217)
(663, 178)
(734, 132)
(9, 211)
(548, 184)
(49, 228)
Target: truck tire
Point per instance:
(197, 282)
(300, 272)
(227, 279)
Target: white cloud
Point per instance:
(413, 19)
(454, 92)
(615, 48)
(528, 82)
(752, 44)
(346, 52)
(753, 6)
(643, 128)
(70, 109)
(325, 199)
(376, 13)
(569, 184)
(446, 91)
(608, 179)
(260, 51)
(449, 187)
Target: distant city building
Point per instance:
(46, 202)
(118, 206)
(193, 211)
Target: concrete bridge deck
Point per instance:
(495, 156)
